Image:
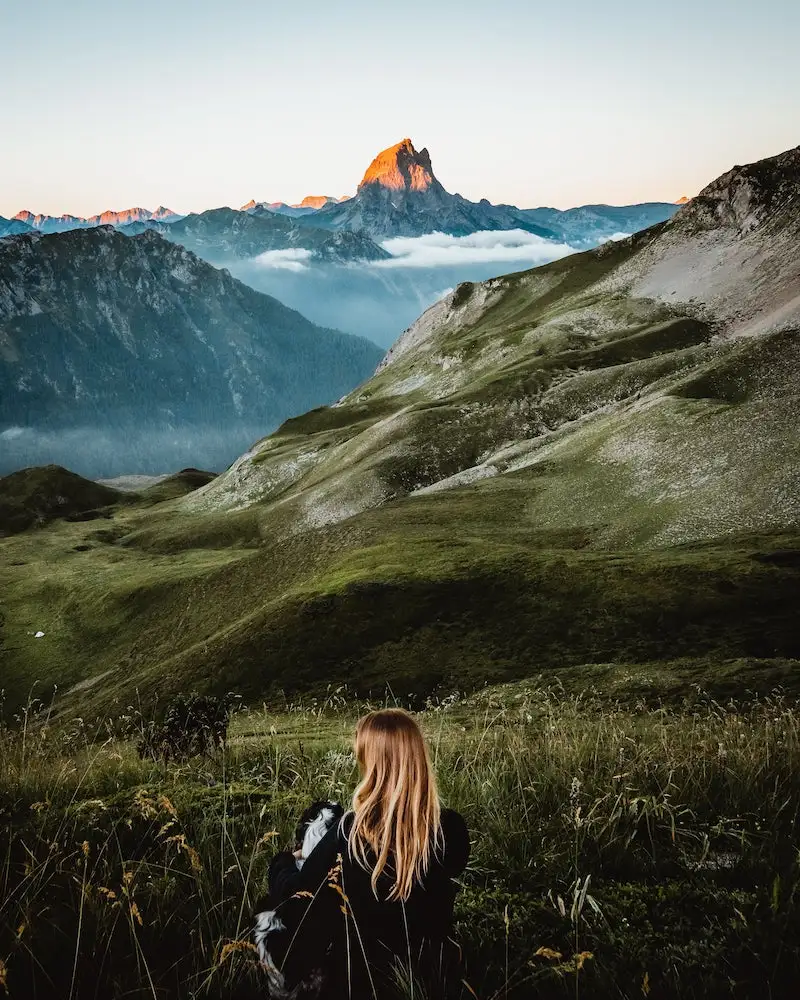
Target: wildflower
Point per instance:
(548, 953)
(231, 947)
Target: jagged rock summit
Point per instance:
(401, 168)
(400, 195)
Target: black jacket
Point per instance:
(367, 939)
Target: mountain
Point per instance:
(588, 469)
(316, 201)
(163, 214)
(400, 196)
(664, 366)
(590, 225)
(129, 354)
(35, 496)
(310, 204)
(223, 234)
(277, 208)
(64, 223)
(13, 227)
(50, 223)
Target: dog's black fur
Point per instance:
(275, 922)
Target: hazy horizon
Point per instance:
(194, 107)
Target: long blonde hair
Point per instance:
(396, 806)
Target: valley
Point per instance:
(584, 463)
(559, 519)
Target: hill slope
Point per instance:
(594, 462)
(634, 368)
(136, 350)
(36, 496)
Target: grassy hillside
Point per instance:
(615, 853)
(392, 598)
(36, 496)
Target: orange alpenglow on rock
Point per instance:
(315, 201)
(400, 168)
(683, 200)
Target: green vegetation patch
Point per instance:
(35, 496)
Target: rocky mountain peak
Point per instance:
(746, 196)
(316, 201)
(400, 168)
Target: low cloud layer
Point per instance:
(379, 299)
(295, 259)
(97, 452)
(513, 246)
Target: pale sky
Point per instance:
(195, 104)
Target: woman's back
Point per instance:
(376, 893)
(370, 940)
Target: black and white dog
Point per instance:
(275, 928)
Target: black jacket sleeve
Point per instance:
(282, 874)
(284, 877)
(456, 843)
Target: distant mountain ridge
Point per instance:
(400, 195)
(123, 353)
(13, 227)
(224, 234)
(64, 223)
(311, 203)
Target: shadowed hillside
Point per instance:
(122, 355)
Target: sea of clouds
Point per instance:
(380, 299)
(511, 246)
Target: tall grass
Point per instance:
(617, 852)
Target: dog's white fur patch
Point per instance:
(315, 831)
(268, 922)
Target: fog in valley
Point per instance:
(377, 300)
(380, 299)
(104, 453)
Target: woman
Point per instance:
(381, 878)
